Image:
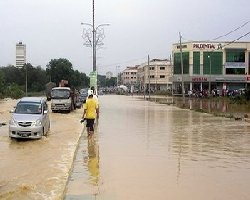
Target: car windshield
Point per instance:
(28, 108)
(61, 94)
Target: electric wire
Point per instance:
(232, 31)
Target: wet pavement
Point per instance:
(141, 150)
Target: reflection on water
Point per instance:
(93, 160)
(141, 150)
(85, 177)
(156, 151)
(214, 141)
(214, 105)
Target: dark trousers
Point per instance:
(90, 124)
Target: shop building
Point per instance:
(211, 65)
(129, 76)
(155, 75)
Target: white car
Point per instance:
(30, 119)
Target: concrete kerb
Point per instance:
(72, 164)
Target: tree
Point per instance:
(36, 77)
(13, 74)
(1, 84)
(59, 69)
(79, 80)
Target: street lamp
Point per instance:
(209, 83)
(97, 38)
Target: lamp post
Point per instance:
(26, 80)
(209, 83)
(97, 38)
(182, 73)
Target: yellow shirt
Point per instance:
(90, 107)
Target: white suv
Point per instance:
(30, 119)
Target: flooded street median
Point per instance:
(140, 150)
(145, 150)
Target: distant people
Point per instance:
(94, 94)
(91, 112)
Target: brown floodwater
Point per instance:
(141, 150)
(37, 169)
(215, 105)
(146, 150)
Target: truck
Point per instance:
(48, 88)
(63, 97)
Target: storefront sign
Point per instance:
(207, 46)
(231, 79)
(199, 79)
(248, 78)
(235, 65)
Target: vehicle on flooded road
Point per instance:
(30, 119)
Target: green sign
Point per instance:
(93, 79)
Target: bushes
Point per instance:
(14, 91)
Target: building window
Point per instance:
(216, 62)
(152, 68)
(196, 63)
(162, 68)
(162, 76)
(235, 56)
(177, 63)
(235, 71)
(235, 62)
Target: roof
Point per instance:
(61, 88)
(32, 99)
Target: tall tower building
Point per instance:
(20, 54)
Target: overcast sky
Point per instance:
(52, 29)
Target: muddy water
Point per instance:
(37, 169)
(210, 105)
(144, 150)
(141, 150)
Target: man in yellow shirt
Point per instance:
(91, 112)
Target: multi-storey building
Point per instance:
(211, 65)
(129, 76)
(156, 75)
(20, 54)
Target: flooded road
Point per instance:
(37, 169)
(141, 150)
(144, 150)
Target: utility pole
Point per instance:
(209, 84)
(144, 82)
(171, 67)
(26, 80)
(94, 39)
(182, 72)
(117, 78)
(149, 87)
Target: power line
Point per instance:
(232, 31)
(236, 29)
(242, 36)
(129, 61)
